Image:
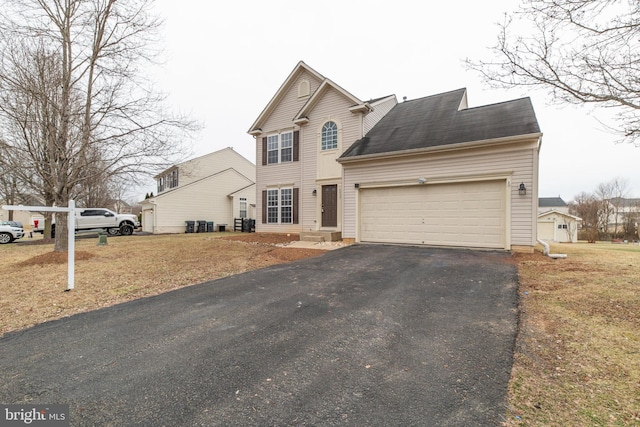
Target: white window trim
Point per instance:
(337, 134)
(279, 148)
(243, 202)
(279, 206)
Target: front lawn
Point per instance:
(577, 360)
(33, 278)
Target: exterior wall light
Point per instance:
(314, 192)
(522, 190)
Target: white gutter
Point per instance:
(546, 251)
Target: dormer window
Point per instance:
(329, 136)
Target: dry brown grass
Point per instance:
(33, 277)
(577, 361)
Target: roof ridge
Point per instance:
(498, 103)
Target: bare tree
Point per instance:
(587, 207)
(604, 193)
(76, 64)
(581, 51)
(631, 220)
(570, 227)
(620, 190)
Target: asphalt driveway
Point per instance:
(364, 335)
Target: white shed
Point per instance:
(558, 226)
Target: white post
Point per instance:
(71, 249)
(71, 225)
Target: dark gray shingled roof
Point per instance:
(435, 121)
(551, 202)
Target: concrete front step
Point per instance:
(321, 236)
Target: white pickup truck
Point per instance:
(100, 218)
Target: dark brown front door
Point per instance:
(329, 205)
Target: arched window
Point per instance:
(329, 136)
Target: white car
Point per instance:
(10, 231)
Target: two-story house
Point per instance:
(300, 134)
(216, 187)
(429, 171)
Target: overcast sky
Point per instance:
(225, 61)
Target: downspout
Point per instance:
(546, 251)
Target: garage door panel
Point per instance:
(469, 214)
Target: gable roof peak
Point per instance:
(324, 86)
(300, 67)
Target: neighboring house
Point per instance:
(216, 187)
(26, 218)
(428, 171)
(546, 204)
(557, 226)
(624, 215)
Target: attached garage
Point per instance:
(468, 214)
(435, 172)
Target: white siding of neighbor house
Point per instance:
(517, 161)
(380, 109)
(212, 163)
(548, 227)
(206, 199)
(24, 217)
(248, 193)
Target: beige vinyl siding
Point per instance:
(380, 109)
(284, 174)
(304, 174)
(335, 107)
(308, 160)
(282, 117)
(210, 164)
(277, 176)
(206, 199)
(516, 162)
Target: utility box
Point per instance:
(222, 227)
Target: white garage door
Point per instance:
(546, 230)
(471, 214)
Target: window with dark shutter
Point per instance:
(264, 206)
(264, 151)
(296, 145)
(295, 205)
